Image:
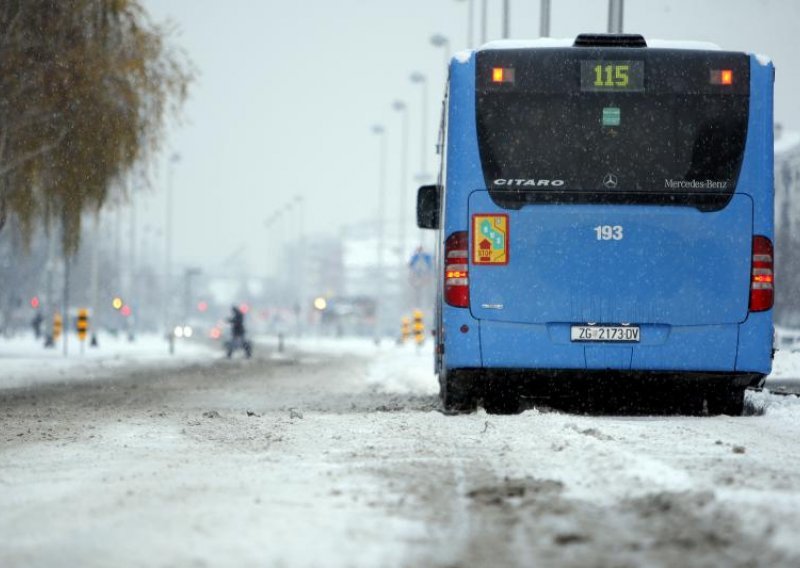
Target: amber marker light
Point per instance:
(726, 77)
(722, 77)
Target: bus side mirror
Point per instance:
(428, 207)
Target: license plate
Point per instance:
(626, 333)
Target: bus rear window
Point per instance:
(579, 125)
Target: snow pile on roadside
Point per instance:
(766, 403)
(25, 362)
(404, 369)
(401, 369)
(786, 365)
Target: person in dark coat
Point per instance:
(237, 323)
(36, 323)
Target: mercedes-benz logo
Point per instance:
(610, 181)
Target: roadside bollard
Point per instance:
(405, 330)
(419, 328)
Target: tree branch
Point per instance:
(33, 154)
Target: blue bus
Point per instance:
(604, 210)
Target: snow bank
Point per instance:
(25, 362)
(401, 369)
(786, 365)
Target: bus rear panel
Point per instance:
(608, 209)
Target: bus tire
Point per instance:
(457, 392)
(725, 399)
(502, 401)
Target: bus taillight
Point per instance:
(502, 75)
(762, 290)
(722, 77)
(456, 270)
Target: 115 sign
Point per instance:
(612, 75)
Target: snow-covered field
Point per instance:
(335, 454)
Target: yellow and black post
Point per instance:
(405, 329)
(419, 328)
(58, 324)
(82, 325)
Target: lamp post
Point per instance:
(506, 19)
(470, 18)
(131, 280)
(379, 131)
(419, 79)
(299, 284)
(269, 223)
(616, 8)
(544, 18)
(402, 108)
(167, 292)
(483, 21)
(438, 40)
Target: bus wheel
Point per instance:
(725, 399)
(500, 397)
(457, 392)
(502, 403)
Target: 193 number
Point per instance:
(609, 232)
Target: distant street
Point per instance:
(316, 458)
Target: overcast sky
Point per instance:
(287, 92)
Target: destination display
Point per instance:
(598, 75)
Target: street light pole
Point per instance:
(544, 18)
(131, 282)
(65, 297)
(438, 40)
(269, 223)
(95, 281)
(402, 108)
(301, 268)
(167, 292)
(470, 18)
(483, 21)
(506, 19)
(615, 12)
(379, 131)
(420, 79)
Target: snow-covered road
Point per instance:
(335, 454)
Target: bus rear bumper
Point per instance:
(674, 349)
(567, 382)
